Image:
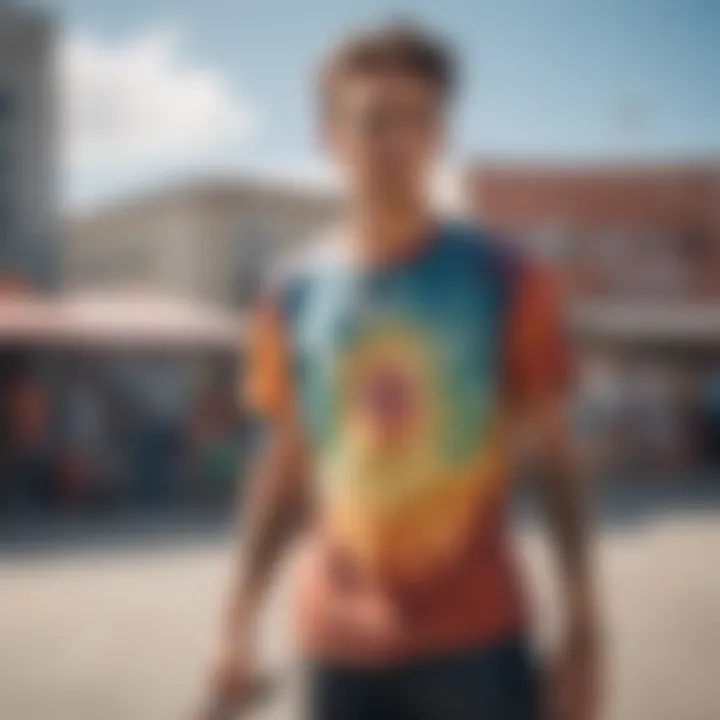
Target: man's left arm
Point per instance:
(563, 490)
(539, 385)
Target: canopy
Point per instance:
(117, 320)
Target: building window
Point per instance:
(7, 218)
(8, 107)
(553, 243)
(253, 249)
(7, 210)
(8, 104)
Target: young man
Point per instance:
(392, 370)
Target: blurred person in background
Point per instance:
(711, 424)
(156, 388)
(84, 442)
(394, 368)
(28, 469)
(216, 446)
(598, 406)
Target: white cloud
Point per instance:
(141, 104)
(138, 111)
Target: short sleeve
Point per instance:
(266, 387)
(538, 354)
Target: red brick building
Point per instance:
(640, 229)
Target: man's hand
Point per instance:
(574, 682)
(574, 690)
(233, 682)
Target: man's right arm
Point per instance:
(271, 508)
(271, 512)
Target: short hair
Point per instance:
(395, 48)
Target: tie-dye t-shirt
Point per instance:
(402, 379)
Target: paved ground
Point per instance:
(122, 633)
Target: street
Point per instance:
(124, 633)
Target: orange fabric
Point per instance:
(344, 615)
(267, 385)
(537, 356)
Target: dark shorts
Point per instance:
(497, 683)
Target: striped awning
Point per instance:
(117, 320)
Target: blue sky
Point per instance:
(552, 79)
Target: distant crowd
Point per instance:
(89, 433)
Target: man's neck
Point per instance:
(387, 236)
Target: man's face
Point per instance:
(384, 132)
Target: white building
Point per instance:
(207, 241)
(28, 208)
